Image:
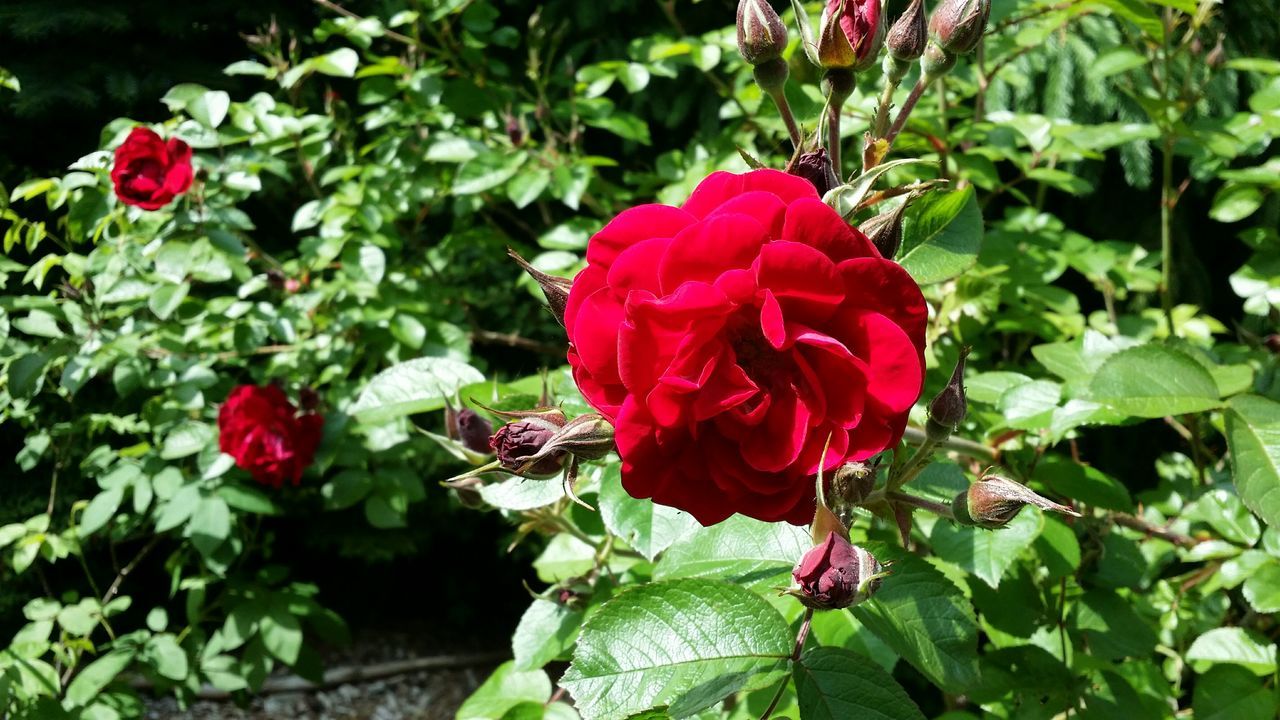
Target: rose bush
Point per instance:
(149, 172)
(262, 430)
(731, 339)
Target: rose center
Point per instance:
(757, 358)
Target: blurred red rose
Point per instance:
(263, 431)
(727, 339)
(148, 172)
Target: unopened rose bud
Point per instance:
(885, 231)
(935, 62)
(853, 482)
(516, 442)
(850, 34)
(472, 430)
(1273, 343)
(905, 42)
(993, 501)
(761, 34)
(514, 132)
(815, 167)
(836, 574)
(1216, 56)
(275, 279)
(957, 25)
(909, 35)
(554, 289)
(948, 407)
(308, 398)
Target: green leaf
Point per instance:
(846, 198)
(167, 656)
(1253, 435)
(187, 438)
(1262, 589)
(166, 298)
(836, 684)
(339, 63)
(249, 499)
(1223, 511)
(941, 235)
(649, 528)
(1112, 627)
(25, 374)
(746, 551)
(506, 688)
(546, 631)
(517, 493)
(1083, 483)
(1235, 202)
(1233, 646)
(487, 171)
(1138, 13)
(565, 557)
(1152, 381)
(210, 524)
(1227, 692)
(686, 644)
(412, 387)
(87, 683)
(281, 634)
(986, 553)
(99, 511)
(926, 619)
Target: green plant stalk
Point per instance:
(801, 636)
(936, 508)
(833, 138)
(916, 436)
(1166, 231)
(882, 110)
(907, 106)
(784, 109)
(912, 467)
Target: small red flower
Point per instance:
(729, 338)
(148, 172)
(263, 431)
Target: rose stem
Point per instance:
(967, 447)
(801, 636)
(882, 111)
(934, 507)
(905, 112)
(913, 465)
(833, 138)
(784, 109)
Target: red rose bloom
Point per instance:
(262, 430)
(148, 172)
(727, 339)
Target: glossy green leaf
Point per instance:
(941, 235)
(1253, 435)
(1227, 692)
(986, 553)
(746, 551)
(836, 684)
(1153, 381)
(413, 386)
(649, 528)
(685, 644)
(546, 631)
(1233, 646)
(506, 688)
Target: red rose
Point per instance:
(836, 574)
(729, 338)
(262, 430)
(148, 172)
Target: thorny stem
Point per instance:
(1150, 528)
(914, 464)
(882, 110)
(936, 508)
(833, 138)
(784, 109)
(965, 447)
(905, 112)
(801, 636)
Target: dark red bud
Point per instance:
(516, 442)
(816, 168)
(472, 429)
(514, 132)
(761, 34)
(836, 574)
(949, 406)
(554, 289)
(1273, 343)
(308, 398)
(885, 230)
(908, 36)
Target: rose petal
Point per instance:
(814, 223)
(632, 226)
(720, 187)
(700, 253)
(885, 287)
(805, 281)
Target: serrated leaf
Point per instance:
(836, 684)
(941, 236)
(987, 554)
(926, 619)
(1227, 692)
(1152, 381)
(746, 551)
(546, 631)
(412, 387)
(1262, 589)
(504, 689)
(649, 528)
(685, 644)
(1253, 435)
(1233, 646)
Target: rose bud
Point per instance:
(906, 41)
(957, 25)
(514, 132)
(1273, 343)
(761, 35)
(554, 289)
(836, 574)
(850, 34)
(471, 429)
(815, 167)
(993, 501)
(885, 230)
(935, 62)
(516, 442)
(948, 407)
